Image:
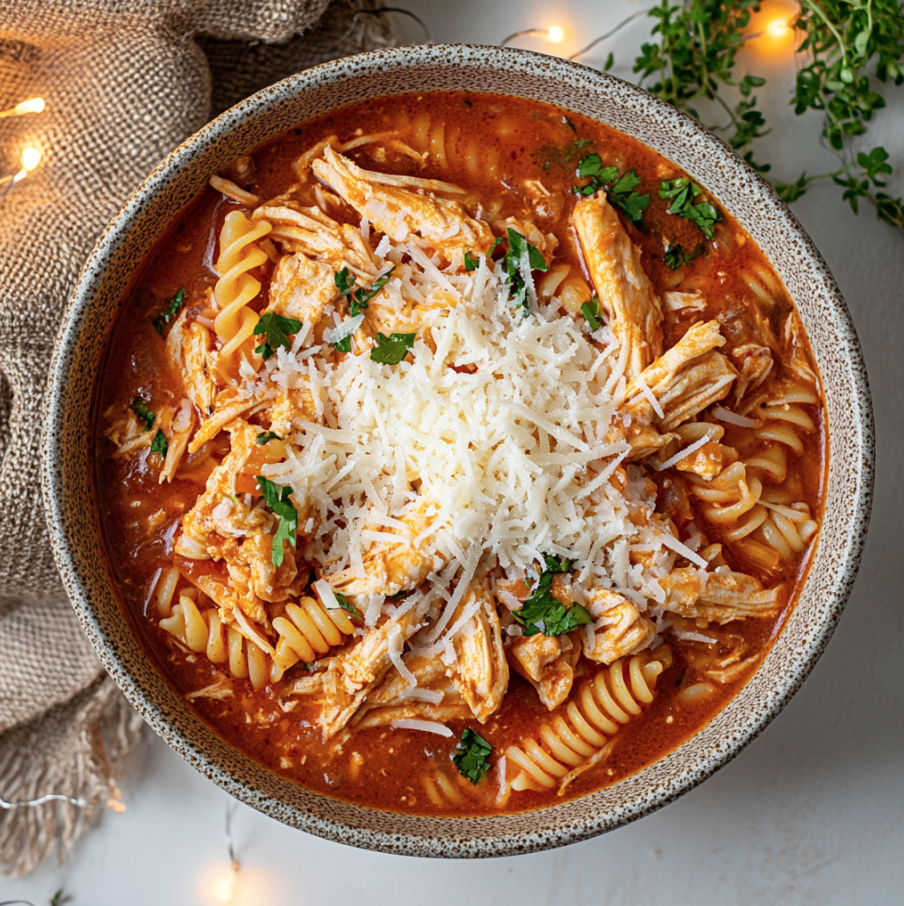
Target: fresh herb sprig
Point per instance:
(591, 312)
(682, 192)
(159, 444)
(850, 49)
(392, 349)
(473, 756)
(277, 331)
(266, 436)
(143, 413)
(518, 287)
(170, 310)
(347, 606)
(357, 299)
(541, 612)
(276, 497)
(675, 255)
(620, 190)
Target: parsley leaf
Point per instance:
(159, 444)
(277, 329)
(471, 263)
(347, 606)
(357, 299)
(518, 245)
(144, 413)
(169, 312)
(473, 756)
(620, 190)
(541, 612)
(676, 257)
(276, 497)
(266, 436)
(682, 192)
(591, 312)
(392, 349)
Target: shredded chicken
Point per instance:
(627, 299)
(547, 664)
(395, 207)
(622, 629)
(719, 597)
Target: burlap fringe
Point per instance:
(78, 749)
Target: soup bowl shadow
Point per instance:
(98, 297)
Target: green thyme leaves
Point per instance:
(620, 190)
(170, 310)
(682, 192)
(541, 612)
(276, 497)
(144, 413)
(159, 444)
(518, 248)
(676, 257)
(591, 312)
(347, 606)
(276, 330)
(473, 756)
(392, 349)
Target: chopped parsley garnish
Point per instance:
(276, 329)
(144, 413)
(357, 298)
(518, 245)
(473, 756)
(620, 190)
(266, 436)
(347, 606)
(498, 241)
(576, 146)
(683, 192)
(591, 312)
(392, 349)
(541, 612)
(676, 257)
(277, 500)
(159, 444)
(169, 312)
(471, 263)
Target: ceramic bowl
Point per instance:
(96, 302)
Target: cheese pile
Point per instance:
(498, 420)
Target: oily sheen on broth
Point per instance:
(457, 454)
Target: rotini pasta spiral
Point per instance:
(611, 698)
(235, 323)
(307, 630)
(202, 630)
(443, 790)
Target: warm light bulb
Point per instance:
(31, 157)
(225, 890)
(556, 34)
(32, 105)
(777, 29)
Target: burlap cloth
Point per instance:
(124, 82)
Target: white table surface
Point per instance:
(811, 813)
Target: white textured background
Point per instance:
(811, 813)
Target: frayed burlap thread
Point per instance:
(124, 83)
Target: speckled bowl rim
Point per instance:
(76, 549)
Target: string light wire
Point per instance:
(610, 33)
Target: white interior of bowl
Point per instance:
(96, 301)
